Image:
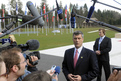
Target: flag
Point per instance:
(25, 10)
(9, 9)
(3, 14)
(47, 17)
(53, 14)
(16, 8)
(0, 16)
(66, 12)
(69, 13)
(44, 10)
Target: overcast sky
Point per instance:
(80, 3)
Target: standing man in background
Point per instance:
(102, 47)
(80, 63)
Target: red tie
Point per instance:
(75, 58)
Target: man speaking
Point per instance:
(80, 63)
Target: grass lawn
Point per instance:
(50, 40)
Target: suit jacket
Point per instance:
(86, 67)
(105, 48)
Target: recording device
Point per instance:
(73, 20)
(30, 45)
(53, 67)
(59, 11)
(34, 12)
(91, 11)
(57, 70)
(35, 53)
(26, 18)
(117, 68)
(8, 26)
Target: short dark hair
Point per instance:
(11, 57)
(77, 33)
(38, 76)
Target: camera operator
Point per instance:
(32, 58)
(15, 63)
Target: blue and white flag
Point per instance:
(16, 8)
(25, 10)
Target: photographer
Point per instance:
(32, 58)
(15, 63)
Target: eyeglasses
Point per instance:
(5, 74)
(22, 62)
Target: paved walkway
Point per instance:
(115, 54)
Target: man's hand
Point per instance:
(34, 58)
(77, 78)
(98, 52)
(12, 38)
(71, 77)
(50, 72)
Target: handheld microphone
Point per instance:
(91, 11)
(30, 45)
(34, 12)
(73, 20)
(59, 11)
(57, 70)
(8, 26)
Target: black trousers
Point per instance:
(106, 66)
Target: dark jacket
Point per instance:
(86, 67)
(105, 48)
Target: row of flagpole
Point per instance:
(46, 20)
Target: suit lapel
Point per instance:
(71, 57)
(103, 40)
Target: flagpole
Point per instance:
(61, 26)
(27, 30)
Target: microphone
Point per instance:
(73, 20)
(34, 12)
(30, 45)
(8, 26)
(59, 11)
(57, 70)
(91, 11)
(27, 18)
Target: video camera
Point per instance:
(35, 53)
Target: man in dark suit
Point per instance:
(102, 47)
(80, 63)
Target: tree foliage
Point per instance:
(107, 16)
